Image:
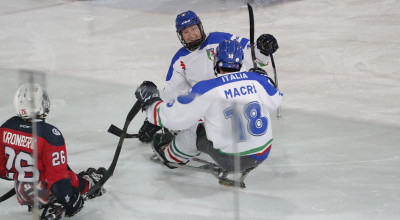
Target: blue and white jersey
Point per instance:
(188, 68)
(235, 108)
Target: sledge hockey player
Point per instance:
(57, 184)
(194, 61)
(235, 107)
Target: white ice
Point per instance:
(336, 153)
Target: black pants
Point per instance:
(227, 162)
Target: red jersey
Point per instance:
(16, 152)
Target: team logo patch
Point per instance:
(56, 132)
(210, 54)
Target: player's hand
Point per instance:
(267, 44)
(147, 93)
(147, 131)
(75, 204)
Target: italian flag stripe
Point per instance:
(174, 148)
(263, 148)
(172, 157)
(155, 111)
(265, 151)
(159, 118)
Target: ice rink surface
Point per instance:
(336, 153)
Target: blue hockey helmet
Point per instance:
(187, 19)
(228, 55)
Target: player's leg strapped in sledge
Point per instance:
(53, 210)
(225, 161)
(25, 193)
(224, 166)
(160, 142)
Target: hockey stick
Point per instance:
(118, 132)
(7, 195)
(253, 55)
(132, 113)
(251, 17)
(278, 112)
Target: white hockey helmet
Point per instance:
(31, 100)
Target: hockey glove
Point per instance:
(147, 93)
(147, 131)
(92, 177)
(267, 44)
(75, 204)
(259, 71)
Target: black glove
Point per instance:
(259, 71)
(267, 44)
(75, 204)
(147, 131)
(147, 94)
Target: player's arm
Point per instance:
(54, 156)
(61, 184)
(176, 84)
(3, 159)
(181, 114)
(274, 97)
(3, 170)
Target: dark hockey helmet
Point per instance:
(228, 55)
(184, 20)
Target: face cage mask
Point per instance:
(194, 45)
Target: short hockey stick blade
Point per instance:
(117, 132)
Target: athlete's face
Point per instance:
(191, 34)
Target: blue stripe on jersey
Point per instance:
(204, 86)
(243, 42)
(215, 38)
